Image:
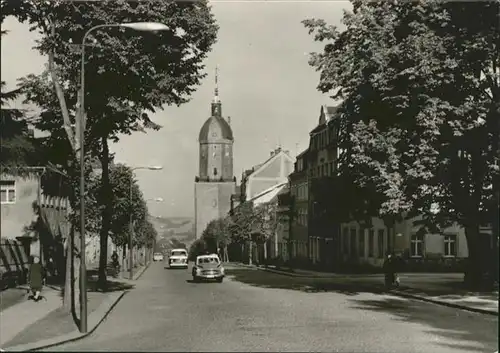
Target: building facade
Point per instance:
(32, 222)
(275, 170)
(298, 204)
(322, 166)
(215, 182)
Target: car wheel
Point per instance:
(220, 279)
(195, 279)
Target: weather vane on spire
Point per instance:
(216, 83)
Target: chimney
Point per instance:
(272, 153)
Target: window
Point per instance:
(450, 245)
(353, 241)
(361, 240)
(215, 171)
(371, 238)
(380, 243)
(417, 245)
(8, 191)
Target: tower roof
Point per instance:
(215, 128)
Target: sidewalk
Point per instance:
(29, 325)
(439, 288)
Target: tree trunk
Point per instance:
(250, 255)
(67, 302)
(106, 212)
(226, 254)
(71, 300)
(124, 257)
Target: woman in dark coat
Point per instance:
(35, 278)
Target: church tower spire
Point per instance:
(216, 103)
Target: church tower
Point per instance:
(215, 182)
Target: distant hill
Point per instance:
(173, 232)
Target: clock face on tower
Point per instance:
(214, 134)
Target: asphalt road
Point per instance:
(261, 311)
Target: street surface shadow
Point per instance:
(449, 290)
(111, 286)
(469, 331)
(264, 279)
(191, 281)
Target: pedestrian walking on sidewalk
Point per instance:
(35, 278)
(390, 272)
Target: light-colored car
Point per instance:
(178, 258)
(157, 256)
(208, 267)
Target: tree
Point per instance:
(217, 234)
(254, 224)
(421, 104)
(125, 204)
(198, 247)
(17, 142)
(153, 69)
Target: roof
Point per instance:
(327, 113)
(207, 255)
(302, 153)
(215, 124)
(268, 195)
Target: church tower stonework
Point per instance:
(215, 182)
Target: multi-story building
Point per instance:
(285, 209)
(322, 165)
(273, 171)
(215, 183)
(31, 218)
(260, 187)
(299, 209)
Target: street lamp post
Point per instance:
(138, 26)
(131, 220)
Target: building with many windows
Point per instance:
(299, 208)
(322, 165)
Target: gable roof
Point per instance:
(268, 195)
(278, 153)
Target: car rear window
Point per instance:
(178, 253)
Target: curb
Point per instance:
(70, 337)
(395, 292)
(438, 302)
(141, 272)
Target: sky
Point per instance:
(265, 84)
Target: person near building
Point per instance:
(35, 278)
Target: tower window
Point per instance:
(215, 171)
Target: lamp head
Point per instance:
(145, 26)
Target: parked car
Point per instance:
(208, 267)
(178, 258)
(157, 256)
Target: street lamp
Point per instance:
(131, 221)
(138, 26)
(149, 254)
